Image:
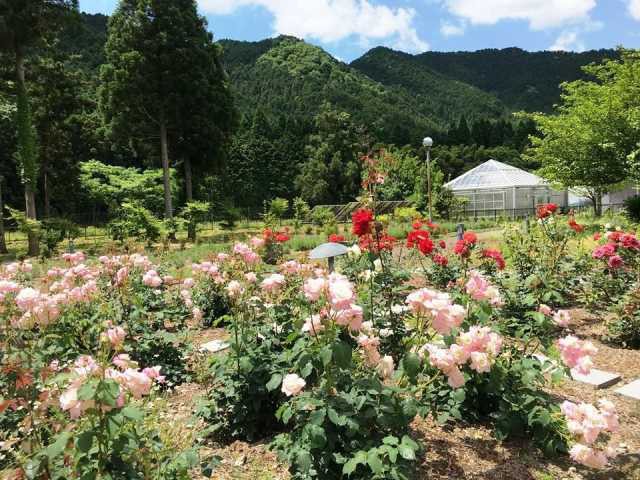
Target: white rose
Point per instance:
(292, 385)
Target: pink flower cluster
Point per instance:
(479, 347)
(587, 422)
(129, 378)
(618, 245)
(479, 288)
(273, 283)
(561, 318)
(246, 253)
(576, 354)
(73, 258)
(209, 269)
(339, 293)
(152, 279)
(444, 314)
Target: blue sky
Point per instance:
(348, 28)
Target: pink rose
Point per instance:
(292, 385)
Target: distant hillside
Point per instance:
(286, 76)
(86, 38)
(521, 80)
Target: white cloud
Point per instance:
(568, 41)
(449, 29)
(540, 14)
(333, 20)
(634, 8)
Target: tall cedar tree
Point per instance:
(24, 24)
(162, 81)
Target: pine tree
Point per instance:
(163, 81)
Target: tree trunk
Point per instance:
(29, 192)
(597, 203)
(188, 179)
(46, 194)
(164, 152)
(188, 183)
(3, 243)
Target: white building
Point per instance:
(494, 188)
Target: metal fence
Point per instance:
(517, 213)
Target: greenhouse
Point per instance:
(494, 188)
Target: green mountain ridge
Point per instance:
(286, 76)
(521, 80)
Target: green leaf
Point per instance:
(275, 382)
(57, 447)
(342, 354)
(85, 441)
(407, 448)
(337, 419)
(88, 390)
(390, 440)
(325, 355)
(374, 462)
(411, 364)
(133, 413)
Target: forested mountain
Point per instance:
(286, 77)
(521, 80)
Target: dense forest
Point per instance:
(275, 118)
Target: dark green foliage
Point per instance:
(164, 349)
(242, 405)
(521, 80)
(279, 70)
(213, 301)
(135, 221)
(332, 171)
(434, 94)
(359, 430)
(624, 329)
(632, 208)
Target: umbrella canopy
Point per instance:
(328, 250)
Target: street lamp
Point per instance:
(428, 143)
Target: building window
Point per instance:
(481, 201)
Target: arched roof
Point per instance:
(493, 174)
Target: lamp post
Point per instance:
(428, 143)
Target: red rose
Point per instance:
(443, 244)
(440, 260)
(496, 255)
(470, 237)
(335, 238)
(575, 226)
(461, 248)
(361, 220)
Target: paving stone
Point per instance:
(214, 346)
(630, 390)
(597, 378)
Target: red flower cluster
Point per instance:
(420, 239)
(575, 226)
(440, 260)
(463, 247)
(280, 237)
(496, 255)
(361, 220)
(546, 210)
(335, 238)
(375, 245)
(418, 224)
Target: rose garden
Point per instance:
(107, 372)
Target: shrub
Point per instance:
(625, 328)
(194, 213)
(323, 217)
(632, 208)
(135, 221)
(301, 211)
(278, 208)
